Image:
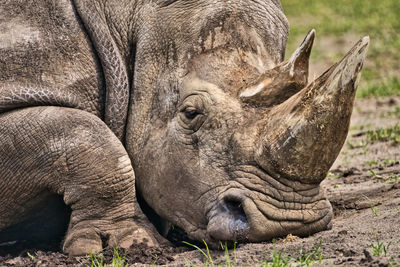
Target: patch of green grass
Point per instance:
(374, 174)
(118, 260)
(97, 260)
(357, 127)
(379, 249)
(394, 178)
(384, 162)
(352, 145)
(389, 161)
(207, 255)
(395, 112)
(393, 263)
(372, 162)
(331, 175)
(340, 16)
(391, 133)
(307, 259)
(361, 144)
(387, 88)
(30, 256)
(304, 259)
(374, 209)
(278, 258)
(339, 24)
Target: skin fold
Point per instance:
(189, 101)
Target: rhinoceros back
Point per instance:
(46, 58)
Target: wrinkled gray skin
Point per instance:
(226, 140)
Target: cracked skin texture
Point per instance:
(97, 97)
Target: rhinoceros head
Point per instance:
(227, 141)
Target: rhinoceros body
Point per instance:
(188, 101)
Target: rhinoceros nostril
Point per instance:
(229, 222)
(235, 208)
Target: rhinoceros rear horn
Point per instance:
(283, 81)
(304, 135)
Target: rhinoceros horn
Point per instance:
(302, 136)
(284, 80)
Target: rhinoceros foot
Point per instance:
(93, 236)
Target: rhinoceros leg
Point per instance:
(71, 153)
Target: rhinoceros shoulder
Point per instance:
(46, 57)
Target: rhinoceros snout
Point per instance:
(228, 221)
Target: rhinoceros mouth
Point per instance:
(258, 207)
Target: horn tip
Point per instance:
(365, 40)
(312, 33)
(308, 41)
(363, 45)
(305, 47)
(304, 50)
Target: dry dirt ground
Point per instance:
(363, 187)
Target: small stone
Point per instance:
(291, 238)
(367, 255)
(343, 232)
(16, 261)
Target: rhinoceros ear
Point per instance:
(286, 79)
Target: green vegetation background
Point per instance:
(341, 23)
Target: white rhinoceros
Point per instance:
(226, 141)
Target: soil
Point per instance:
(363, 187)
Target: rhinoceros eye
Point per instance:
(191, 118)
(191, 113)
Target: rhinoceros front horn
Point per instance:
(283, 81)
(304, 134)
